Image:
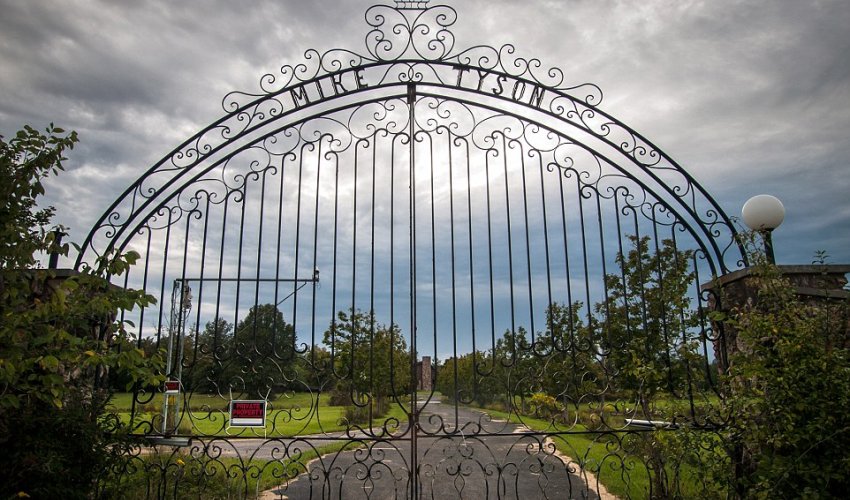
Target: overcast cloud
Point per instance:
(749, 96)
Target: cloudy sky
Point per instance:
(749, 96)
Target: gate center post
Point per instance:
(414, 412)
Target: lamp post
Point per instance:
(764, 213)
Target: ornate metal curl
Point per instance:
(362, 209)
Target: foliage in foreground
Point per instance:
(789, 393)
(56, 338)
(784, 418)
(779, 427)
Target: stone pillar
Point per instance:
(819, 284)
(822, 287)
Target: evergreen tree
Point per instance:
(259, 360)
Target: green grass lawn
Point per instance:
(289, 415)
(623, 473)
(299, 414)
(192, 477)
(122, 401)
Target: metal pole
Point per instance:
(414, 414)
(183, 312)
(53, 263)
(168, 358)
(767, 234)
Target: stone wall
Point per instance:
(821, 285)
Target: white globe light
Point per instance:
(763, 212)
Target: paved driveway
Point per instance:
(461, 465)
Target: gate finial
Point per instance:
(411, 4)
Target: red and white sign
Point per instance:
(247, 413)
(172, 387)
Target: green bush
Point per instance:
(789, 393)
(57, 339)
(543, 405)
(359, 415)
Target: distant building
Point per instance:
(424, 374)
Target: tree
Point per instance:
(25, 161)
(647, 320)
(468, 379)
(783, 422)
(205, 373)
(371, 360)
(570, 367)
(314, 371)
(259, 360)
(57, 338)
(513, 370)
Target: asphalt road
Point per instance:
(462, 465)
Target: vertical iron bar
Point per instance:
(168, 367)
(141, 322)
(260, 253)
(546, 248)
(159, 326)
(527, 245)
(234, 348)
(513, 345)
(490, 261)
(315, 267)
(413, 419)
(683, 326)
(373, 401)
(433, 256)
(215, 354)
(274, 346)
(162, 281)
(561, 176)
(258, 350)
(601, 226)
(334, 279)
(471, 284)
(580, 198)
(665, 330)
(392, 268)
(294, 318)
(623, 260)
(201, 285)
(181, 321)
(640, 274)
(354, 325)
(454, 293)
(53, 262)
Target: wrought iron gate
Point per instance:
(445, 272)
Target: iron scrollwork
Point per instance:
(362, 211)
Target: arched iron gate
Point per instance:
(445, 272)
